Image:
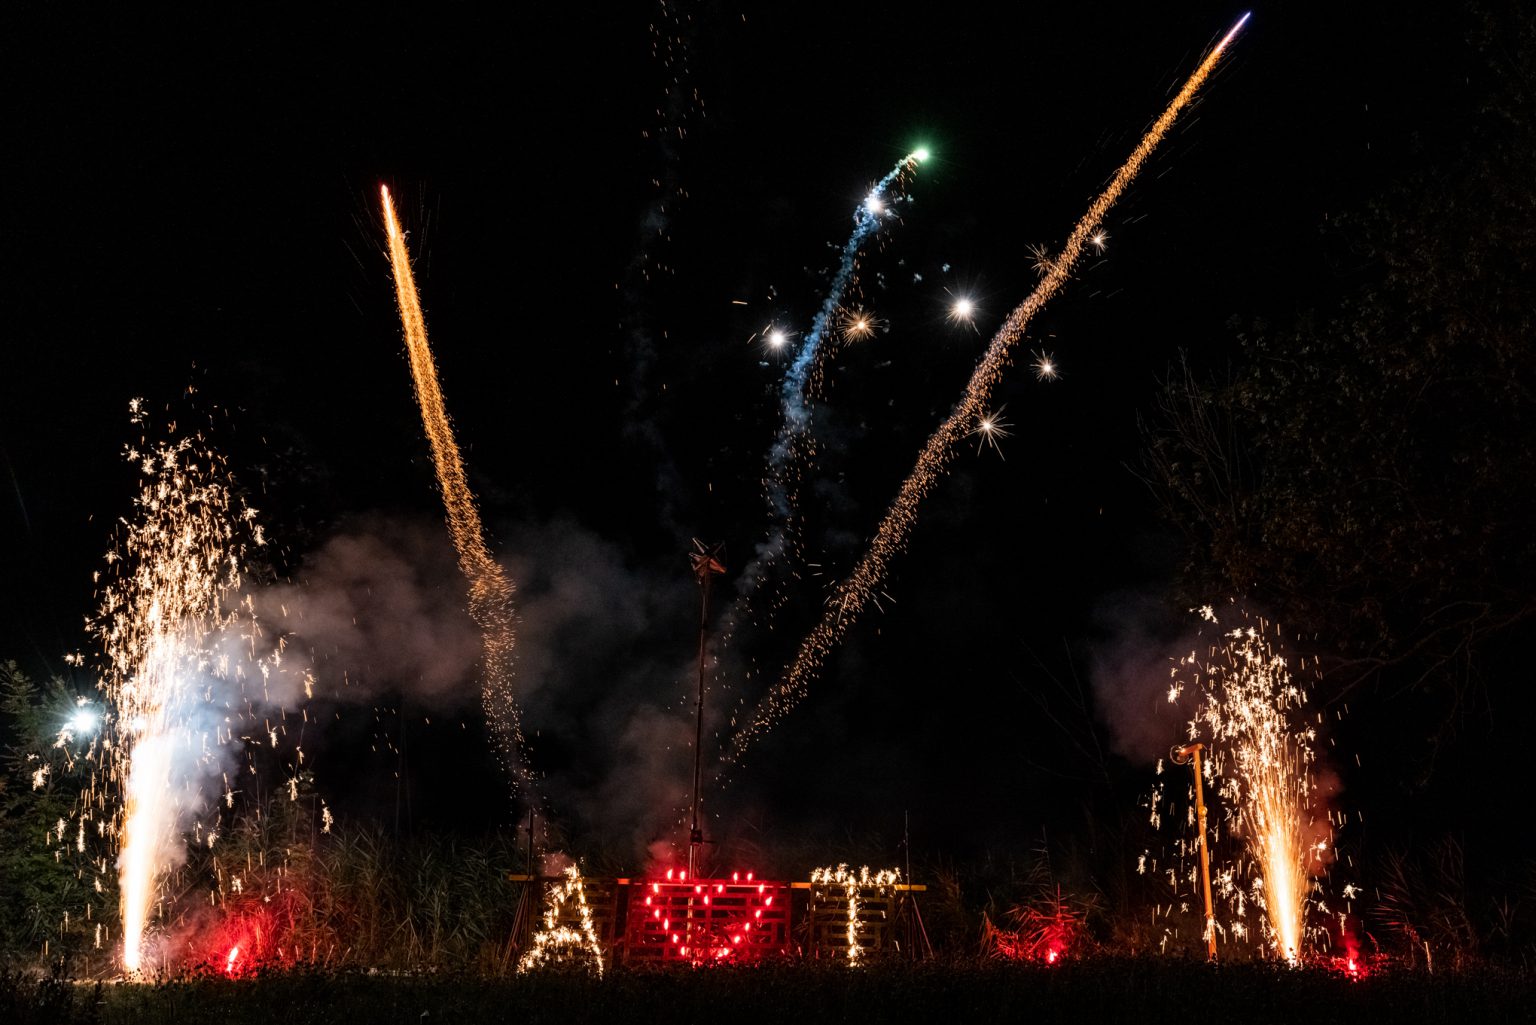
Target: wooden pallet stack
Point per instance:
(696, 921)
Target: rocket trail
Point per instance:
(490, 590)
(853, 594)
(788, 453)
(791, 451)
(803, 374)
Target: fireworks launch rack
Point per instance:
(675, 921)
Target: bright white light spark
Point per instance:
(777, 339)
(1098, 240)
(874, 204)
(990, 429)
(962, 309)
(1045, 367)
(84, 721)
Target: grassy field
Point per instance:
(1145, 991)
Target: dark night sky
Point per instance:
(194, 200)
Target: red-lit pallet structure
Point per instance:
(677, 919)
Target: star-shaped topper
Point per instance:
(707, 559)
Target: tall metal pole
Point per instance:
(706, 563)
(1190, 755)
(695, 834)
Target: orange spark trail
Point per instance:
(490, 590)
(853, 594)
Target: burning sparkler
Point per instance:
(853, 884)
(558, 942)
(854, 593)
(490, 590)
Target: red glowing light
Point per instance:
(1352, 965)
(1051, 956)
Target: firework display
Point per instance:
(192, 679)
(851, 596)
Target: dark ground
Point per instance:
(1146, 992)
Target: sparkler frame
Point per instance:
(635, 919)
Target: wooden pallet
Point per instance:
(875, 919)
(706, 920)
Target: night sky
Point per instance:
(192, 201)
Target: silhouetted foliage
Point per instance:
(1367, 473)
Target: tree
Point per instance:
(1367, 474)
(50, 901)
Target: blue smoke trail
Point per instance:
(782, 473)
(794, 393)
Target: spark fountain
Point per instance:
(490, 590)
(854, 592)
(167, 625)
(1252, 720)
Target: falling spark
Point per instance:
(853, 594)
(490, 590)
(1098, 241)
(1045, 367)
(962, 310)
